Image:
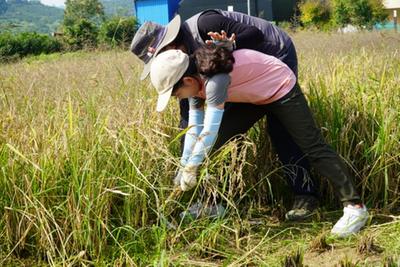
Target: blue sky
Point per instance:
(58, 3)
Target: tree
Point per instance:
(340, 12)
(379, 13)
(82, 34)
(118, 31)
(81, 22)
(89, 10)
(14, 46)
(314, 12)
(362, 13)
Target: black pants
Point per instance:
(295, 118)
(296, 164)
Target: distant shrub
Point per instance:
(361, 13)
(324, 14)
(315, 13)
(118, 31)
(81, 35)
(341, 12)
(286, 25)
(23, 44)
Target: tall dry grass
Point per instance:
(86, 164)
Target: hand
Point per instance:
(178, 177)
(222, 40)
(189, 178)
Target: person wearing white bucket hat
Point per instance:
(264, 84)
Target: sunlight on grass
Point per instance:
(87, 164)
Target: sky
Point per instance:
(58, 3)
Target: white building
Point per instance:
(393, 6)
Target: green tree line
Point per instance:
(85, 25)
(328, 14)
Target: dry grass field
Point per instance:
(86, 166)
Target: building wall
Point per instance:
(260, 8)
(173, 8)
(390, 12)
(152, 10)
(392, 4)
(284, 10)
(162, 11)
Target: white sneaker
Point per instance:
(351, 222)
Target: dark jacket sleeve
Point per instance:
(247, 36)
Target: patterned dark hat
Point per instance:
(154, 35)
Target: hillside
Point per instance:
(20, 16)
(29, 16)
(118, 7)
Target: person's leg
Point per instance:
(295, 115)
(296, 169)
(184, 120)
(296, 165)
(305, 188)
(238, 118)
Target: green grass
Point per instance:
(86, 165)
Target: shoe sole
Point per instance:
(302, 218)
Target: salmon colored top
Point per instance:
(259, 78)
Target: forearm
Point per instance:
(207, 137)
(196, 120)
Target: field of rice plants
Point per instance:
(86, 166)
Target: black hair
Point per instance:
(208, 62)
(213, 60)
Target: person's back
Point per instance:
(258, 78)
(253, 77)
(276, 41)
(272, 41)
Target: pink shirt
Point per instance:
(259, 78)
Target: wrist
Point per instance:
(191, 168)
(183, 161)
